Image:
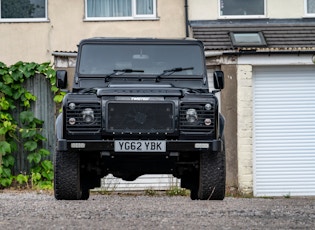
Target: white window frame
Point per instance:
(305, 10)
(241, 16)
(44, 19)
(134, 15)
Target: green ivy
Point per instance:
(29, 132)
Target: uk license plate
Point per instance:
(139, 146)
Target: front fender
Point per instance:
(222, 123)
(59, 127)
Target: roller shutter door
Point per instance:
(284, 131)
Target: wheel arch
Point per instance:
(221, 126)
(59, 127)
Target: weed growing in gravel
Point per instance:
(177, 191)
(150, 192)
(104, 191)
(287, 196)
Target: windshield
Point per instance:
(154, 59)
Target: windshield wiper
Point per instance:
(88, 90)
(122, 71)
(169, 72)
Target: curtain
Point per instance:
(109, 8)
(144, 7)
(310, 6)
(242, 7)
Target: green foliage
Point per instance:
(150, 192)
(5, 148)
(177, 191)
(22, 179)
(43, 175)
(27, 129)
(8, 161)
(287, 196)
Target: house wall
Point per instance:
(66, 27)
(274, 9)
(208, 11)
(35, 41)
(285, 9)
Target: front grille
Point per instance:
(80, 125)
(202, 113)
(140, 117)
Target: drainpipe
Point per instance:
(186, 18)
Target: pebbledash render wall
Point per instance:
(66, 25)
(245, 128)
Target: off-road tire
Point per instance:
(67, 184)
(212, 176)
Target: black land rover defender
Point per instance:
(140, 106)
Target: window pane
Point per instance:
(152, 59)
(247, 39)
(242, 7)
(144, 6)
(109, 8)
(23, 9)
(310, 6)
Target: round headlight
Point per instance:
(208, 106)
(191, 115)
(88, 115)
(72, 121)
(72, 106)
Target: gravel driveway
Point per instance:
(31, 210)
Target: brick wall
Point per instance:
(245, 128)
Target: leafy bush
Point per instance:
(27, 129)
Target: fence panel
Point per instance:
(44, 109)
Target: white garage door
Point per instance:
(284, 131)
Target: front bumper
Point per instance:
(171, 145)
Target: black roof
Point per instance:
(280, 34)
(141, 40)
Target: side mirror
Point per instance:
(218, 80)
(61, 79)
